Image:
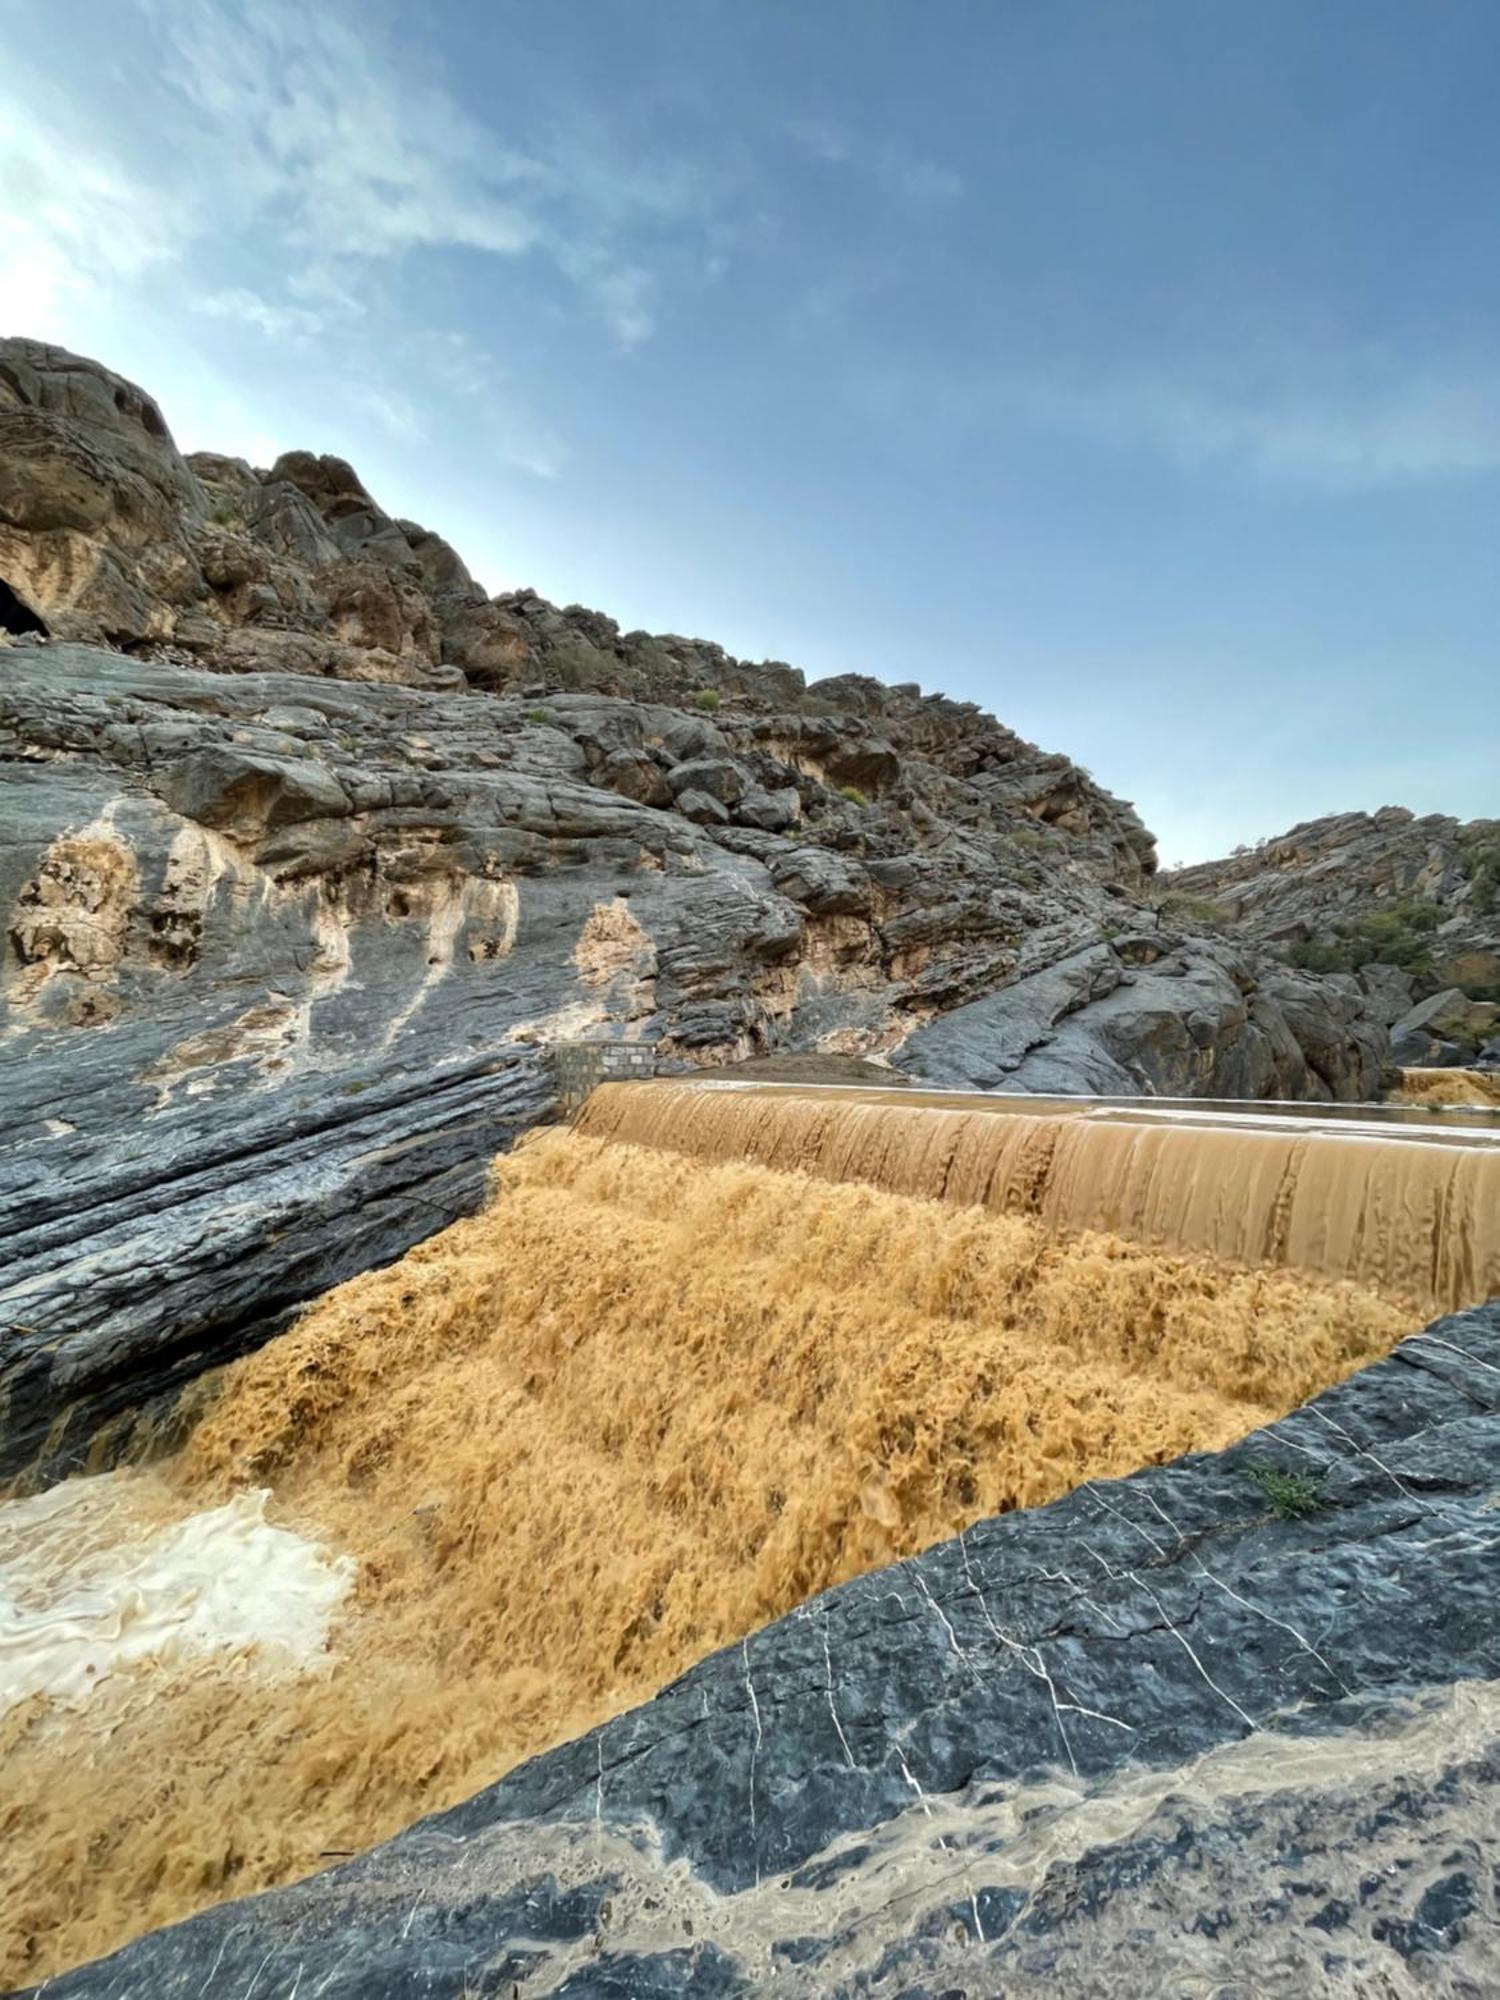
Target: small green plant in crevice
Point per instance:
(708, 699)
(1400, 934)
(541, 716)
(1291, 1496)
(1192, 909)
(854, 795)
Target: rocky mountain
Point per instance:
(310, 852)
(1407, 907)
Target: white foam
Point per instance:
(96, 1575)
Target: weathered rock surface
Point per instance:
(1447, 1030)
(309, 849)
(283, 956)
(1342, 892)
(1151, 1738)
(1187, 1017)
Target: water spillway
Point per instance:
(704, 1355)
(1395, 1198)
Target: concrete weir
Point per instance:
(1399, 1197)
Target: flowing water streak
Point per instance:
(1412, 1209)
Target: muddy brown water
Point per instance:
(652, 1397)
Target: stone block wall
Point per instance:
(578, 1066)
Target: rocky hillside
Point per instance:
(310, 852)
(1408, 907)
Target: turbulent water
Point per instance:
(1449, 1086)
(1412, 1209)
(636, 1408)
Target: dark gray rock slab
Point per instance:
(1444, 1031)
(1198, 1019)
(1151, 1738)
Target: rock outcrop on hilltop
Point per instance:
(1406, 909)
(310, 850)
(1230, 1724)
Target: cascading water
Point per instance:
(1411, 1208)
(655, 1395)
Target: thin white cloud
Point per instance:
(889, 164)
(302, 131)
(823, 139)
(1336, 418)
(72, 219)
(238, 302)
(918, 182)
(1355, 421)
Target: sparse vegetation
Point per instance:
(1291, 1496)
(1400, 935)
(541, 716)
(1484, 875)
(1192, 909)
(854, 795)
(707, 699)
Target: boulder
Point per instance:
(1445, 1031)
(772, 811)
(720, 777)
(1389, 992)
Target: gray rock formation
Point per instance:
(284, 954)
(1446, 1030)
(1183, 1017)
(309, 850)
(1230, 1725)
(1354, 891)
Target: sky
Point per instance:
(1131, 367)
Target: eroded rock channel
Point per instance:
(640, 1406)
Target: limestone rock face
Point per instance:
(1445, 1030)
(309, 850)
(1341, 893)
(1176, 1017)
(1157, 1736)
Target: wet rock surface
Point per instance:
(310, 849)
(1350, 889)
(1230, 1724)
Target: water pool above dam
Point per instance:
(1404, 1198)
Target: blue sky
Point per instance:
(1129, 366)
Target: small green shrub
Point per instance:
(1399, 935)
(1312, 957)
(854, 795)
(708, 699)
(539, 715)
(1192, 909)
(1485, 877)
(1291, 1496)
